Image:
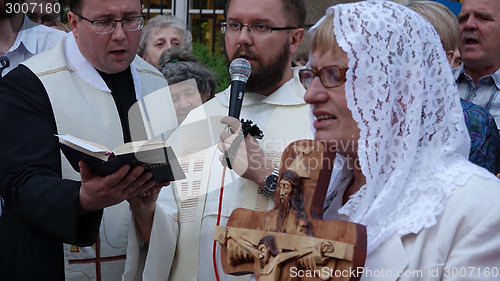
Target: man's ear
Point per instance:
(296, 37)
(449, 55)
(73, 23)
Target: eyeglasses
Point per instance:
(108, 25)
(258, 28)
(330, 76)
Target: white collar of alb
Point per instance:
(87, 72)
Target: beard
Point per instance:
(262, 262)
(265, 75)
(284, 209)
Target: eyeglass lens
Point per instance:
(233, 27)
(331, 76)
(129, 24)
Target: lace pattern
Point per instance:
(413, 144)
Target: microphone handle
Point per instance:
(236, 98)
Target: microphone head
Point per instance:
(240, 70)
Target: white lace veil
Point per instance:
(414, 143)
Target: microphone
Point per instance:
(4, 63)
(239, 70)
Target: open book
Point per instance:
(155, 155)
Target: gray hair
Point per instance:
(180, 64)
(161, 21)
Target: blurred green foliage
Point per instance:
(215, 62)
(64, 11)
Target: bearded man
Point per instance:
(266, 33)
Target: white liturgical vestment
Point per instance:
(84, 107)
(282, 116)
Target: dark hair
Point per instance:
(180, 64)
(270, 243)
(296, 195)
(308, 228)
(294, 9)
(75, 5)
(292, 177)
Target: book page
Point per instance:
(93, 149)
(136, 146)
(87, 145)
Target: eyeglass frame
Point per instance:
(224, 29)
(114, 23)
(317, 73)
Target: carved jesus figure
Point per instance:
(271, 259)
(291, 217)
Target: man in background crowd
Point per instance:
(478, 78)
(265, 33)
(20, 38)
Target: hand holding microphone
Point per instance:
(239, 146)
(239, 70)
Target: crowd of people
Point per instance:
(411, 86)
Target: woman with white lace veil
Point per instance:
(382, 93)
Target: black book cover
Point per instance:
(161, 162)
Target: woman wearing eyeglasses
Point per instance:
(380, 86)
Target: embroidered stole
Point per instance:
(199, 153)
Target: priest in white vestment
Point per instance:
(57, 224)
(273, 101)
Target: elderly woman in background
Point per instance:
(190, 82)
(382, 94)
(160, 34)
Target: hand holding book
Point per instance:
(155, 156)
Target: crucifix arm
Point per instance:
(242, 243)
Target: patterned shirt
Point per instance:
(486, 94)
(485, 139)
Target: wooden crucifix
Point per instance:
(291, 242)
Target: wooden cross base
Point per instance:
(291, 242)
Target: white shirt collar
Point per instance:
(31, 39)
(23, 35)
(87, 72)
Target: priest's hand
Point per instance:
(143, 208)
(245, 155)
(99, 192)
(146, 199)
